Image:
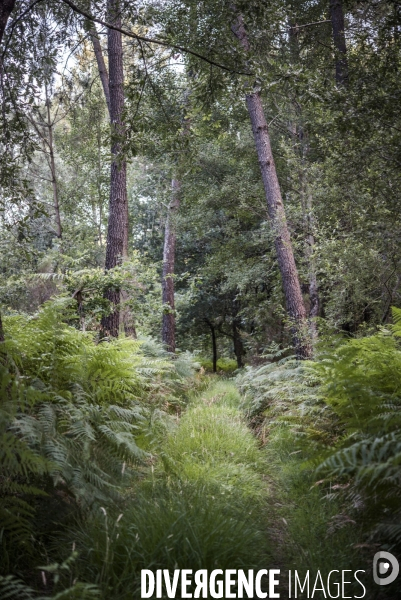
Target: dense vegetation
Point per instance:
(200, 356)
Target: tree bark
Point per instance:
(285, 255)
(168, 325)
(126, 315)
(6, 7)
(337, 22)
(117, 231)
(101, 65)
(238, 346)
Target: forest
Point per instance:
(200, 295)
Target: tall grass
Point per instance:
(202, 506)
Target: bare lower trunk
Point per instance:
(168, 325)
(214, 348)
(285, 256)
(6, 7)
(238, 345)
(337, 22)
(117, 225)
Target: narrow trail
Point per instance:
(214, 450)
(217, 498)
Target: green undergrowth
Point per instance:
(224, 365)
(316, 524)
(203, 505)
(312, 526)
(78, 421)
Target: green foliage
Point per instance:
(332, 432)
(213, 446)
(224, 365)
(201, 507)
(284, 402)
(361, 383)
(284, 395)
(75, 418)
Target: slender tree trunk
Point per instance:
(52, 164)
(6, 7)
(168, 325)
(118, 205)
(313, 283)
(285, 256)
(238, 345)
(101, 65)
(126, 315)
(214, 344)
(337, 22)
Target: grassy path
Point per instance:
(203, 507)
(216, 499)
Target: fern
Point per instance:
(75, 418)
(361, 382)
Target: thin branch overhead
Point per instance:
(142, 38)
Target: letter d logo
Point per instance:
(386, 564)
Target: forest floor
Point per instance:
(279, 516)
(217, 497)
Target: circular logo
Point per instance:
(385, 568)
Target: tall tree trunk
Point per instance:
(238, 345)
(52, 165)
(168, 325)
(6, 7)
(285, 255)
(126, 315)
(118, 205)
(337, 22)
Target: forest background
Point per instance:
(190, 187)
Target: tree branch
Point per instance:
(142, 38)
